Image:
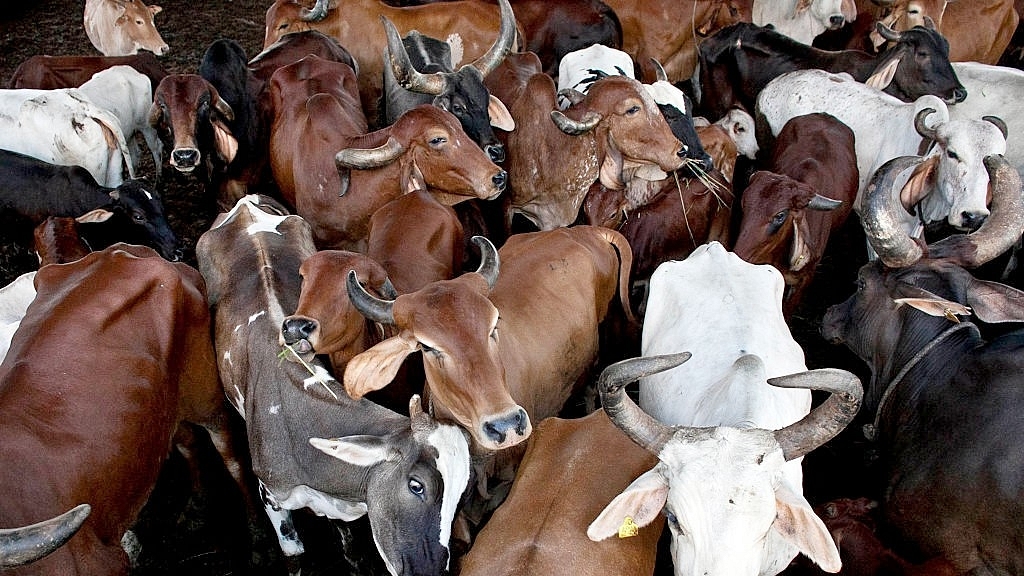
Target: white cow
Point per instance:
(14, 300)
(740, 127)
(579, 69)
(122, 27)
(802, 20)
(127, 94)
(729, 444)
(64, 127)
(886, 128)
(995, 91)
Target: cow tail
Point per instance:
(115, 136)
(621, 245)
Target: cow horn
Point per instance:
(502, 44)
(920, 126)
(999, 124)
(886, 32)
(819, 202)
(880, 209)
(490, 262)
(419, 420)
(315, 14)
(929, 23)
(828, 419)
(575, 127)
(999, 231)
(367, 304)
(643, 429)
(659, 71)
(401, 66)
(20, 546)
(369, 158)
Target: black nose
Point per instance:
(497, 429)
(972, 220)
(959, 94)
(185, 156)
(496, 152)
(500, 179)
(836, 21)
(295, 329)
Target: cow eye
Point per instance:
(673, 522)
(494, 334)
(438, 141)
(633, 110)
(416, 487)
(952, 155)
(138, 217)
(779, 219)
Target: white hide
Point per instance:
(576, 69)
(994, 91)
(741, 128)
(801, 23)
(127, 94)
(14, 300)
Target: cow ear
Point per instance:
(362, 450)
(155, 9)
(803, 5)
(849, 10)
(641, 502)
(93, 216)
(224, 141)
(412, 179)
(800, 254)
(994, 302)
(500, 116)
(376, 367)
(797, 524)
(921, 181)
(883, 76)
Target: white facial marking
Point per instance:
(453, 464)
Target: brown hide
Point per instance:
(56, 241)
(49, 72)
(977, 31)
(122, 27)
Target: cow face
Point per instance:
(135, 216)
(283, 18)
(828, 13)
(136, 21)
(188, 113)
(918, 64)
(677, 109)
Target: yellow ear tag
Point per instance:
(628, 528)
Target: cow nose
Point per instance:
(959, 94)
(496, 152)
(498, 429)
(972, 220)
(185, 157)
(836, 21)
(499, 180)
(295, 329)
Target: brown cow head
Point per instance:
(188, 111)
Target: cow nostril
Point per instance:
(520, 421)
(295, 329)
(836, 21)
(177, 255)
(492, 432)
(499, 180)
(971, 220)
(186, 156)
(496, 153)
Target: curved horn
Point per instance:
(502, 44)
(880, 209)
(641, 427)
(367, 304)
(401, 66)
(819, 202)
(999, 124)
(659, 71)
(829, 418)
(315, 14)
(920, 126)
(20, 546)
(575, 127)
(490, 262)
(420, 421)
(929, 23)
(369, 158)
(886, 32)
(1000, 230)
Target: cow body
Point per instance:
(943, 400)
(993, 90)
(379, 463)
(48, 72)
(128, 95)
(802, 20)
(114, 403)
(122, 27)
(14, 300)
(977, 31)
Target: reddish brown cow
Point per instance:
(790, 211)
(57, 241)
(670, 30)
(111, 355)
(977, 31)
(49, 72)
(295, 46)
(563, 483)
(336, 176)
(122, 27)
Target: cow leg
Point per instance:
(284, 526)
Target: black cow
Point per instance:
(947, 409)
(421, 72)
(739, 60)
(295, 46)
(31, 190)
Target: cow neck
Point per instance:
(946, 336)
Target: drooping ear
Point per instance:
(362, 450)
(641, 501)
(155, 9)
(936, 307)
(849, 10)
(883, 76)
(803, 5)
(797, 524)
(800, 253)
(994, 302)
(224, 141)
(921, 182)
(375, 368)
(611, 169)
(412, 179)
(501, 118)
(93, 216)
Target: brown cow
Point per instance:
(670, 30)
(790, 211)
(336, 176)
(111, 355)
(977, 31)
(122, 27)
(49, 72)
(56, 241)
(564, 481)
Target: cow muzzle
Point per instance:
(296, 333)
(507, 430)
(185, 159)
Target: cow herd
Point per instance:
(520, 287)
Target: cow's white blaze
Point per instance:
(453, 465)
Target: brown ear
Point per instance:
(499, 114)
(375, 368)
(849, 10)
(879, 80)
(921, 182)
(412, 179)
(803, 5)
(224, 141)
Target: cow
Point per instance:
(729, 445)
(564, 480)
(802, 20)
(48, 72)
(31, 190)
(616, 133)
(943, 404)
(579, 69)
(978, 31)
(355, 24)
(293, 47)
(738, 124)
(14, 300)
(63, 126)
(670, 31)
(128, 95)
(420, 71)
(59, 239)
(721, 147)
(554, 28)
(123, 27)
(992, 91)
(113, 390)
(337, 175)
(312, 445)
(804, 194)
(738, 62)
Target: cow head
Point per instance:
(135, 215)
(288, 16)
(135, 20)
(460, 92)
(677, 108)
(830, 14)
(414, 482)
(433, 152)
(917, 63)
(721, 488)
(457, 329)
(21, 546)
(188, 112)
